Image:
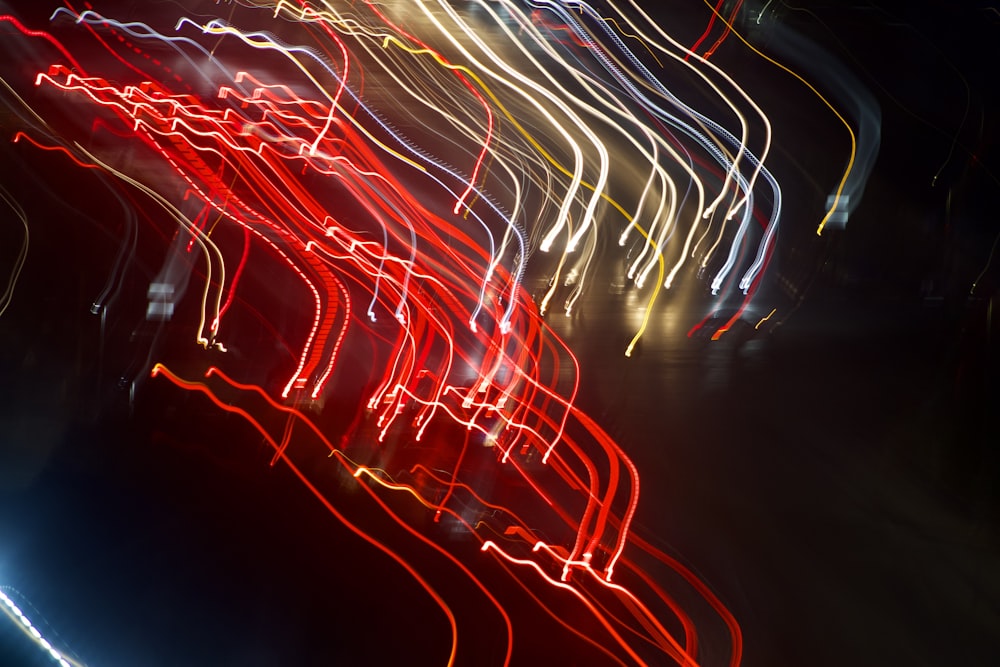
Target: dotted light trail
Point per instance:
(365, 182)
(14, 613)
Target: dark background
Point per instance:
(833, 479)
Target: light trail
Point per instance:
(23, 623)
(308, 164)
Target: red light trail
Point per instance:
(321, 146)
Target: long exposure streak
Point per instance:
(365, 183)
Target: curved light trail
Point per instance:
(390, 169)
